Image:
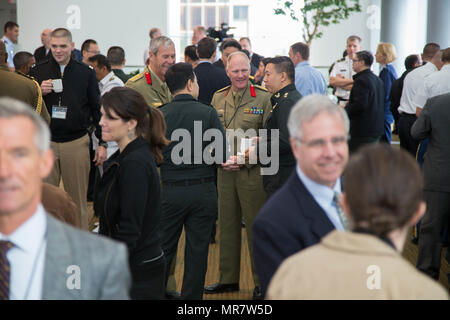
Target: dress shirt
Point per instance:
(10, 49)
(323, 195)
(308, 80)
(27, 257)
(344, 69)
(108, 82)
(203, 61)
(435, 84)
(413, 81)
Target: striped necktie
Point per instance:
(340, 211)
(4, 269)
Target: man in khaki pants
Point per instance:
(71, 95)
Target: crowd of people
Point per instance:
(181, 146)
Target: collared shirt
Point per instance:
(324, 197)
(10, 49)
(308, 80)
(343, 69)
(27, 257)
(203, 61)
(413, 81)
(435, 84)
(108, 82)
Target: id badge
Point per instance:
(59, 112)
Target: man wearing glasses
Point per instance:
(366, 104)
(305, 208)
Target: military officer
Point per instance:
(189, 195)
(279, 79)
(20, 86)
(151, 82)
(239, 106)
(341, 76)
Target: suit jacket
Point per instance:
(339, 268)
(365, 108)
(39, 54)
(388, 75)
(433, 123)
(103, 265)
(210, 79)
(290, 221)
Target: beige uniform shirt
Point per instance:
(248, 109)
(155, 91)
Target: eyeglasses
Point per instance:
(321, 143)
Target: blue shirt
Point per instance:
(324, 197)
(308, 80)
(10, 49)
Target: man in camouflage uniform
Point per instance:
(151, 82)
(239, 106)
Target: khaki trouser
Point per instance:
(241, 195)
(72, 165)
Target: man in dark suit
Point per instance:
(255, 58)
(305, 208)
(433, 123)
(41, 257)
(365, 108)
(44, 52)
(210, 78)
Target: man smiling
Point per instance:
(305, 208)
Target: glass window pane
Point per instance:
(195, 1)
(224, 1)
(224, 14)
(210, 17)
(210, 0)
(240, 13)
(183, 18)
(196, 17)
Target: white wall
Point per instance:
(109, 22)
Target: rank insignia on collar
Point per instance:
(277, 95)
(148, 77)
(252, 91)
(285, 95)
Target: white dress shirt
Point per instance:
(324, 197)
(27, 257)
(435, 84)
(343, 69)
(413, 82)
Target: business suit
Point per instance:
(210, 79)
(282, 230)
(103, 265)
(365, 109)
(433, 123)
(40, 55)
(388, 75)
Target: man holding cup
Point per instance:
(71, 93)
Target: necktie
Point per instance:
(4, 270)
(340, 211)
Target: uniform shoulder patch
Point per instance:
(136, 77)
(223, 89)
(259, 87)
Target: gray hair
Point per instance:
(155, 43)
(10, 108)
(237, 53)
(310, 107)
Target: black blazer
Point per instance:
(39, 54)
(291, 220)
(365, 108)
(128, 201)
(210, 79)
(433, 123)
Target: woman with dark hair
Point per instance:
(365, 263)
(128, 201)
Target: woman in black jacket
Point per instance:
(128, 197)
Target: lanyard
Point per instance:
(235, 110)
(33, 270)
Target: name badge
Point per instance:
(59, 112)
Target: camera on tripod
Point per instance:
(221, 34)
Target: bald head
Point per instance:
(45, 37)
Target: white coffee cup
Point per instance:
(57, 85)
